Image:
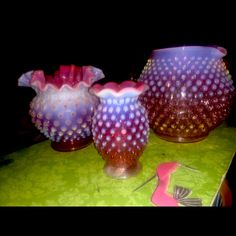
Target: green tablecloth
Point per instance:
(40, 176)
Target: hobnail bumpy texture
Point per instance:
(120, 132)
(63, 107)
(64, 116)
(188, 96)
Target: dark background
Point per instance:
(115, 38)
(118, 38)
(119, 42)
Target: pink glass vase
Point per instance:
(120, 127)
(190, 91)
(63, 107)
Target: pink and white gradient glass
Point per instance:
(190, 91)
(120, 127)
(63, 107)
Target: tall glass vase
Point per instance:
(120, 127)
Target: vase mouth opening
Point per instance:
(127, 88)
(195, 50)
(67, 76)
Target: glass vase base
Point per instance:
(122, 172)
(69, 146)
(178, 139)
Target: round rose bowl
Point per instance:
(120, 127)
(63, 107)
(190, 91)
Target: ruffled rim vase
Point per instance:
(63, 107)
(120, 127)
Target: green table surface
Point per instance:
(40, 176)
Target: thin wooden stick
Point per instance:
(145, 182)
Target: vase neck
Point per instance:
(118, 100)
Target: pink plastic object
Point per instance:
(180, 195)
(160, 196)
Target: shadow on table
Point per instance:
(231, 177)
